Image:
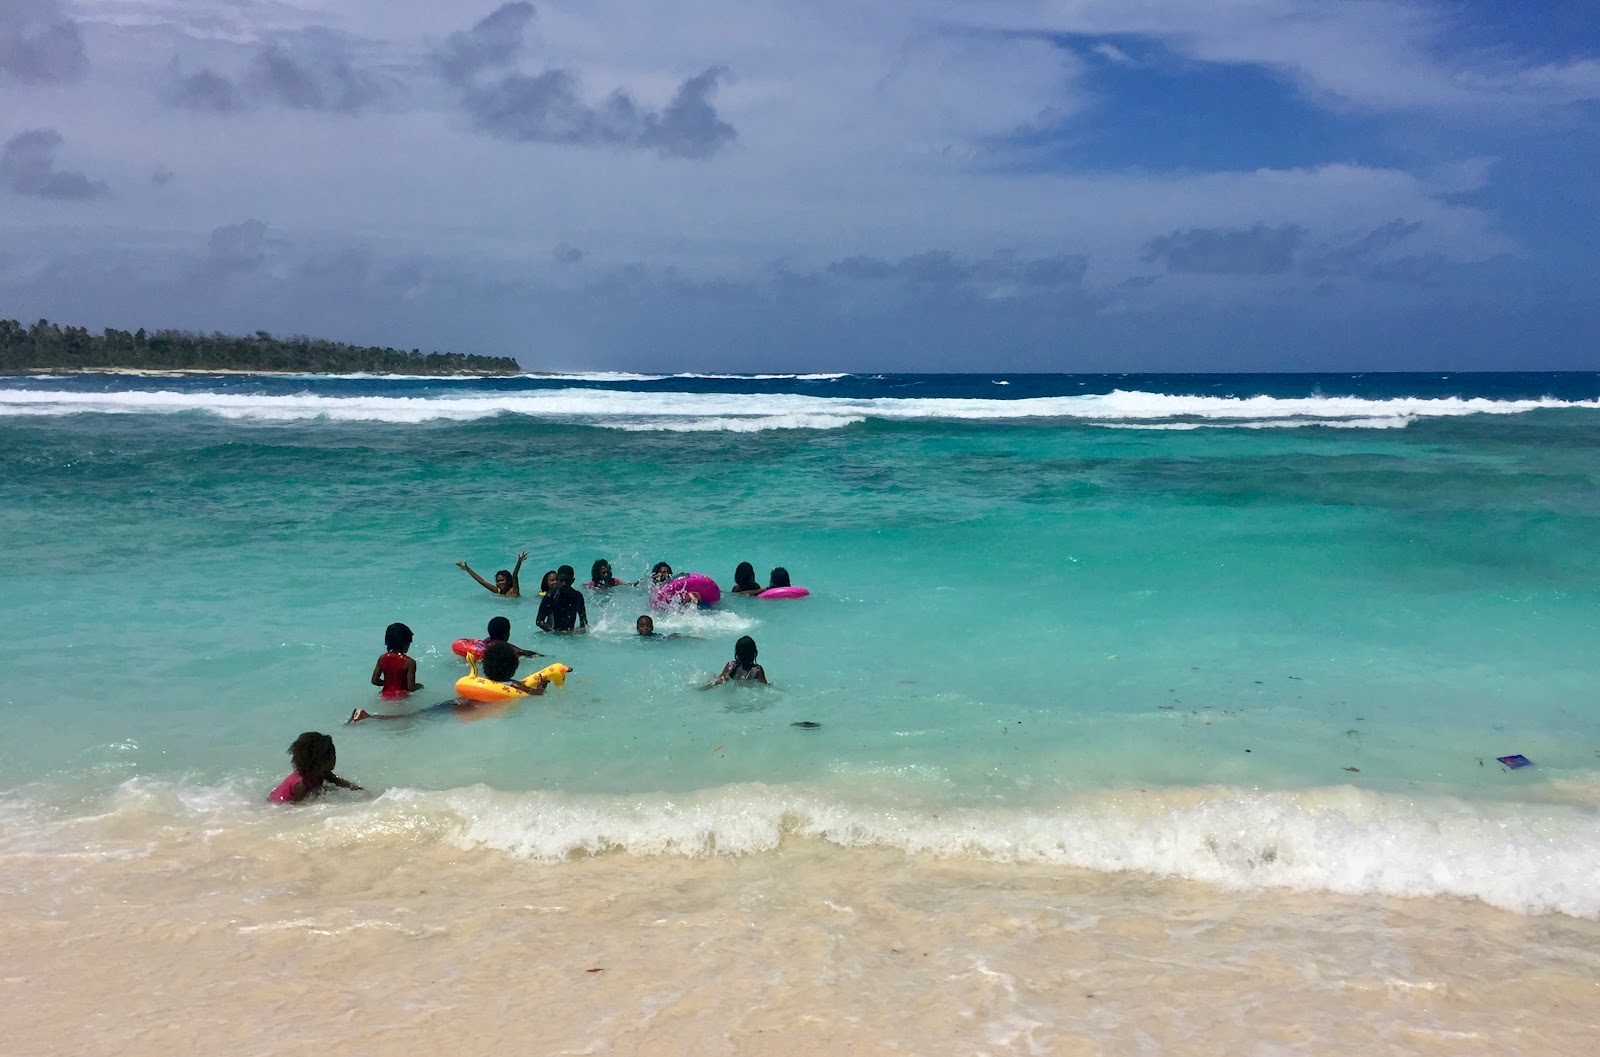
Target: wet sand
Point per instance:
(210, 944)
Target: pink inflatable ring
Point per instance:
(678, 591)
(784, 592)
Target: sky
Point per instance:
(745, 185)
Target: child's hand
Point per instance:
(461, 565)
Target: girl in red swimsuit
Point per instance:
(396, 672)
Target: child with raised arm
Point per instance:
(743, 668)
(314, 760)
(395, 672)
(506, 581)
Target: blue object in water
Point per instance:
(1516, 761)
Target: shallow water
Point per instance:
(1258, 641)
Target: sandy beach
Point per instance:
(203, 944)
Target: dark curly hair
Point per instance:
(313, 753)
(397, 638)
(499, 662)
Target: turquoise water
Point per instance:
(1029, 635)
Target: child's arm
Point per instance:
(761, 674)
(583, 612)
(522, 652)
(719, 680)
(377, 673)
(486, 584)
(516, 573)
(336, 780)
(543, 617)
(411, 674)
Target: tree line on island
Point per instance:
(47, 346)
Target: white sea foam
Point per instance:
(747, 412)
(1530, 859)
(1523, 857)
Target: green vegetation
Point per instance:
(46, 346)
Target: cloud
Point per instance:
(237, 248)
(1361, 257)
(549, 107)
(38, 44)
(1000, 275)
(565, 253)
(28, 167)
(203, 90)
(495, 41)
(309, 69)
(313, 78)
(689, 127)
(1259, 250)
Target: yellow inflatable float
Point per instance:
(475, 687)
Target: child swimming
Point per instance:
(506, 581)
(601, 577)
(499, 665)
(396, 672)
(314, 759)
(743, 667)
(744, 580)
(500, 631)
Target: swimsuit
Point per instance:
(392, 667)
(284, 794)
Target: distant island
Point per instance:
(46, 346)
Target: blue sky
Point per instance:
(1151, 185)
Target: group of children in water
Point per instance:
(562, 610)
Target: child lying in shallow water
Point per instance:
(314, 759)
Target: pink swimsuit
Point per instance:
(284, 794)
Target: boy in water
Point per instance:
(500, 631)
(562, 610)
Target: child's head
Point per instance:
(779, 577)
(645, 626)
(744, 651)
(566, 574)
(503, 581)
(499, 662)
(600, 571)
(744, 576)
(499, 629)
(397, 638)
(661, 573)
(313, 755)
(549, 580)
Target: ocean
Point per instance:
(1143, 714)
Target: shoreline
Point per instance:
(311, 938)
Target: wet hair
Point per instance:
(397, 638)
(600, 571)
(499, 662)
(313, 753)
(507, 574)
(745, 576)
(645, 621)
(661, 567)
(567, 574)
(544, 581)
(779, 577)
(499, 628)
(744, 651)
